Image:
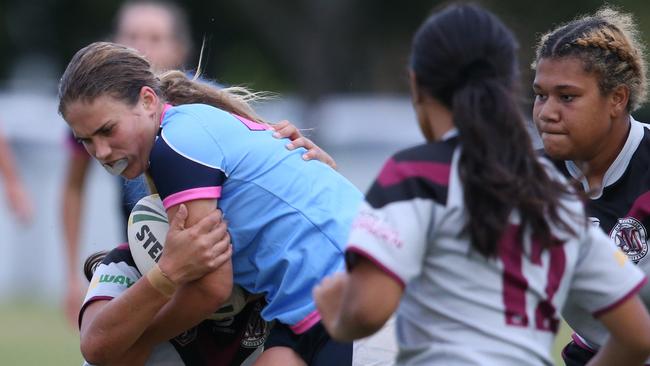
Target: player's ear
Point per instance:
(416, 94)
(148, 98)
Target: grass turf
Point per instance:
(36, 334)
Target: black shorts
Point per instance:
(574, 355)
(314, 346)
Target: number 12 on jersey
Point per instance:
(515, 284)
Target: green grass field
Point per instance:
(35, 334)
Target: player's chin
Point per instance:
(132, 171)
(557, 150)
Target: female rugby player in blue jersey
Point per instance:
(479, 242)
(288, 218)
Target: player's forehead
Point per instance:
(562, 73)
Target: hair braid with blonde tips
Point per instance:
(601, 40)
(608, 45)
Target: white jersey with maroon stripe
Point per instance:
(460, 308)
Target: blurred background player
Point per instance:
(590, 74)
(481, 241)
(160, 31)
(16, 194)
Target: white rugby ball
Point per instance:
(146, 232)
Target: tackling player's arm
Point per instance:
(190, 252)
(195, 300)
(357, 303)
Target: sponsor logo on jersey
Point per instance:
(119, 280)
(631, 237)
(372, 224)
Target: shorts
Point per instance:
(224, 343)
(574, 355)
(315, 346)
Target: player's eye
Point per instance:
(540, 97)
(106, 131)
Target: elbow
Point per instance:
(215, 294)
(357, 323)
(636, 347)
(641, 345)
(93, 351)
(369, 322)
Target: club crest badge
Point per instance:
(257, 330)
(630, 235)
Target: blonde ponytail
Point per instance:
(179, 89)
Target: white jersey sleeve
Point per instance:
(113, 276)
(393, 226)
(393, 237)
(604, 278)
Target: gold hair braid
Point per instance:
(607, 40)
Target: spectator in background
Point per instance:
(160, 31)
(15, 192)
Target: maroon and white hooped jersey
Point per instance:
(460, 308)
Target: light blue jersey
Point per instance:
(289, 219)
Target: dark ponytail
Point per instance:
(466, 58)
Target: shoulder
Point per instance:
(440, 151)
(194, 113)
(422, 171)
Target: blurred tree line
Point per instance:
(307, 47)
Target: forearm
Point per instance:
(191, 304)
(629, 341)
(352, 321)
(615, 353)
(106, 334)
(357, 304)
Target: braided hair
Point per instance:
(608, 45)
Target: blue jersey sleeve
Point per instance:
(185, 162)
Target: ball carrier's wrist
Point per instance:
(161, 282)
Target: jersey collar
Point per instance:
(616, 170)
